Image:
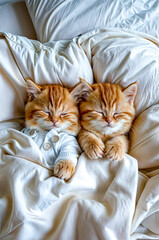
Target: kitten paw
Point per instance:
(114, 151)
(95, 149)
(64, 170)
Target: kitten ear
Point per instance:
(32, 88)
(130, 93)
(81, 91)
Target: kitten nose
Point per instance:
(54, 121)
(108, 120)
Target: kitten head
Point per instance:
(52, 107)
(108, 109)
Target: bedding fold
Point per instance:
(113, 199)
(102, 191)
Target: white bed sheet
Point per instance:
(101, 195)
(104, 199)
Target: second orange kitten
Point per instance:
(106, 113)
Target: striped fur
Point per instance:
(52, 107)
(106, 116)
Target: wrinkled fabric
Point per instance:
(13, 90)
(104, 55)
(100, 195)
(145, 136)
(104, 199)
(62, 19)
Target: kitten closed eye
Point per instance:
(46, 112)
(63, 114)
(116, 114)
(112, 115)
(99, 112)
(52, 113)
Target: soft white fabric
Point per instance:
(145, 136)
(12, 86)
(55, 146)
(104, 199)
(63, 19)
(147, 209)
(55, 63)
(123, 57)
(115, 56)
(98, 201)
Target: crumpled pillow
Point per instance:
(104, 55)
(60, 62)
(123, 57)
(12, 86)
(63, 19)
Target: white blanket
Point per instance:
(100, 196)
(104, 199)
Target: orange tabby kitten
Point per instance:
(106, 116)
(52, 109)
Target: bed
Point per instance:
(58, 42)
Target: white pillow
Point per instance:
(12, 86)
(60, 62)
(144, 138)
(63, 19)
(123, 57)
(115, 56)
